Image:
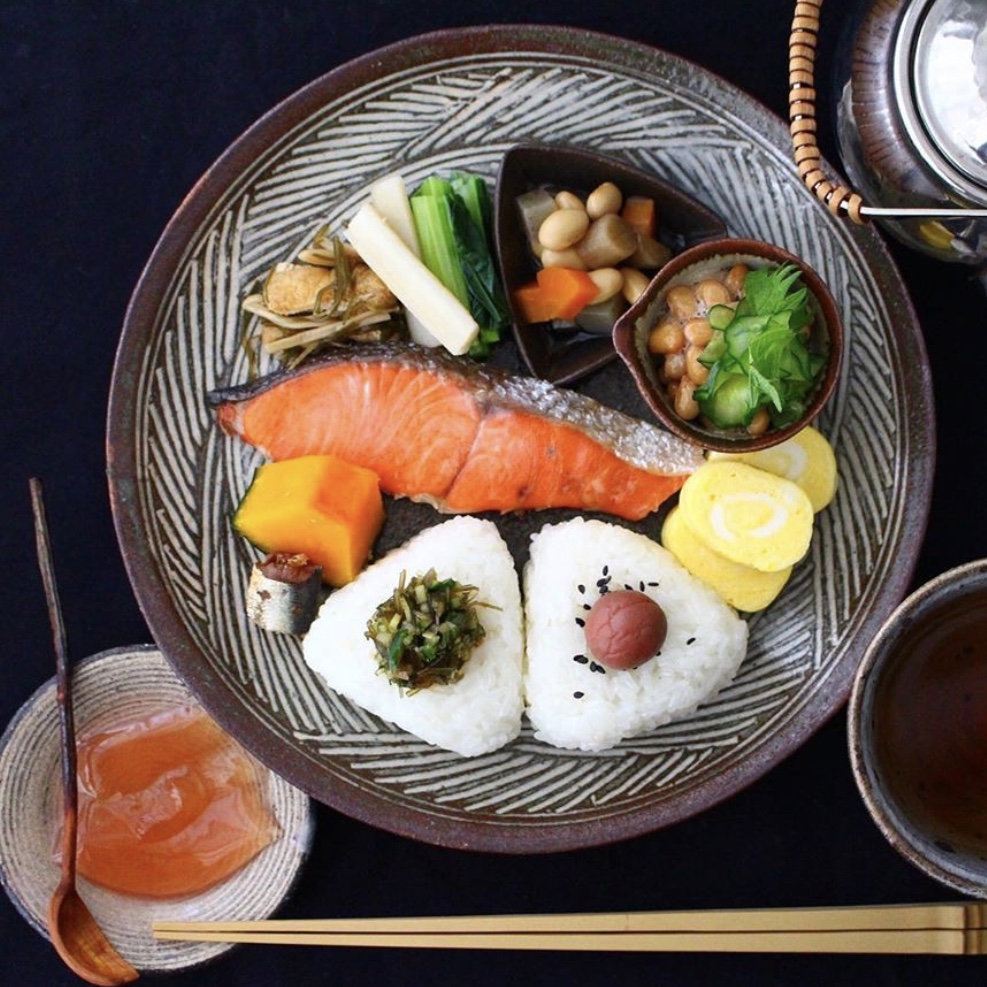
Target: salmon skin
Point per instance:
(461, 437)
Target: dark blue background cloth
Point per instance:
(109, 113)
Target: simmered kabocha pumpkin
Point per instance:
(318, 506)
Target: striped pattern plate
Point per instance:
(459, 99)
(114, 686)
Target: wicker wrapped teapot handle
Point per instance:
(840, 200)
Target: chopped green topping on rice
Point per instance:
(426, 631)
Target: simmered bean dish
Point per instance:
(593, 254)
(733, 348)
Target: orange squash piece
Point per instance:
(319, 506)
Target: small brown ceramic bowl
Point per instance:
(917, 728)
(701, 262)
(564, 356)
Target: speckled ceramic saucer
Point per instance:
(130, 681)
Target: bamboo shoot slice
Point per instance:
(389, 197)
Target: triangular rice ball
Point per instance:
(575, 702)
(480, 712)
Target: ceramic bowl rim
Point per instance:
(512, 255)
(136, 943)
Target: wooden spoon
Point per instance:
(74, 932)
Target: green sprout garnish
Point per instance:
(758, 356)
(426, 631)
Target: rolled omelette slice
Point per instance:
(748, 515)
(807, 458)
(741, 586)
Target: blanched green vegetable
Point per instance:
(453, 222)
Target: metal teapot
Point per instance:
(911, 121)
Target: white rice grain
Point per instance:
(479, 713)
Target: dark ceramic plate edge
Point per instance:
(222, 696)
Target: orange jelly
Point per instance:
(169, 805)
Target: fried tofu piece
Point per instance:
(296, 289)
(292, 289)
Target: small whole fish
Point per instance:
(459, 436)
(284, 593)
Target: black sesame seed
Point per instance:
(593, 667)
(581, 659)
(628, 586)
(578, 695)
(606, 569)
(587, 606)
(580, 622)
(581, 588)
(641, 585)
(654, 584)
(690, 640)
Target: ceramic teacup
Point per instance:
(918, 728)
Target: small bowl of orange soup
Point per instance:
(176, 820)
(918, 729)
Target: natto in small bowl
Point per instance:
(704, 262)
(917, 728)
(563, 357)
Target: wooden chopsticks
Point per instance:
(945, 929)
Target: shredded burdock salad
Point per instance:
(325, 295)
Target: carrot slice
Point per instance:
(639, 214)
(558, 293)
(570, 290)
(535, 304)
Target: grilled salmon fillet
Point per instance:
(461, 437)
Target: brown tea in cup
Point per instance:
(917, 723)
(930, 724)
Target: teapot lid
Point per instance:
(940, 73)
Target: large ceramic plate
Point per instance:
(460, 99)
